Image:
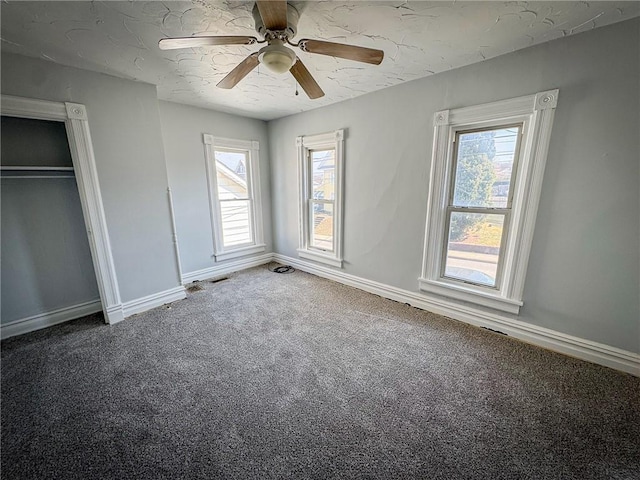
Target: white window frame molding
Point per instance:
(74, 116)
(536, 113)
(252, 147)
(332, 140)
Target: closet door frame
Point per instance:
(74, 116)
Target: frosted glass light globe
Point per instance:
(277, 58)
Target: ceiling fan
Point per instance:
(276, 21)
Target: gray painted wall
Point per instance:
(46, 262)
(182, 129)
(583, 276)
(127, 141)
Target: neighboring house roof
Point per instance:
(231, 185)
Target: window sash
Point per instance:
(310, 188)
(454, 159)
(224, 225)
(320, 201)
(311, 203)
(248, 173)
(506, 213)
(222, 242)
(225, 231)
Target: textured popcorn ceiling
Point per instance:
(419, 38)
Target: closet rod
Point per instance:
(45, 168)
(37, 176)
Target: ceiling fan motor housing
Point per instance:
(292, 22)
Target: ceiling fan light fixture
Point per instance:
(276, 21)
(277, 58)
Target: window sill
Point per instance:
(466, 294)
(239, 252)
(319, 257)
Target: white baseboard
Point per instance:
(226, 267)
(143, 304)
(559, 342)
(43, 320)
(113, 314)
(588, 350)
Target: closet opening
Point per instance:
(55, 253)
(47, 269)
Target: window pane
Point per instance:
(473, 248)
(231, 173)
(236, 228)
(323, 174)
(483, 167)
(322, 225)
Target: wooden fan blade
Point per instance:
(350, 52)
(186, 42)
(241, 71)
(306, 81)
(273, 13)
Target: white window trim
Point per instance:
(536, 112)
(331, 140)
(220, 253)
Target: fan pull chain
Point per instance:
(296, 88)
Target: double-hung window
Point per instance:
(234, 193)
(486, 176)
(478, 210)
(320, 159)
